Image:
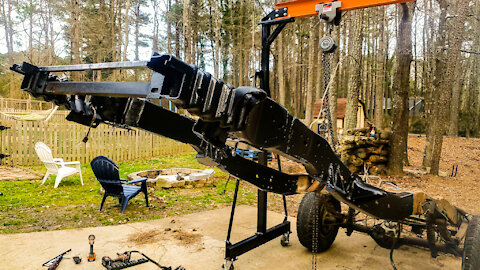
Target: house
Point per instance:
(341, 111)
(416, 106)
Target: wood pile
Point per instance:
(361, 149)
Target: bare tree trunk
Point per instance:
(137, 34)
(444, 77)
(77, 58)
(455, 104)
(458, 31)
(281, 79)
(311, 63)
(355, 50)
(381, 73)
(156, 22)
(7, 23)
(293, 84)
(30, 31)
(319, 64)
(194, 31)
(344, 73)
(113, 37)
(400, 89)
(187, 31)
(126, 30)
(137, 30)
(218, 40)
(51, 39)
(431, 101)
(212, 34)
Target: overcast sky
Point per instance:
(21, 43)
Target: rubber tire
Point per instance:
(305, 221)
(471, 253)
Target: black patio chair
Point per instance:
(106, 172)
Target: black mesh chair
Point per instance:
(106, 172)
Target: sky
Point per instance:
(21, 43)
(21, 38)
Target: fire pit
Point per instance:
(172, 178)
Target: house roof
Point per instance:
(341, 107)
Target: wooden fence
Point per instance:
(23, 105)
(65, 140)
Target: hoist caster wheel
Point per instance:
(285, 240)
(228, 266)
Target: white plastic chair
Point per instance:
(56, 166)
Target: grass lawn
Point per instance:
(27, 206)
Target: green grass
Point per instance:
(28, 206)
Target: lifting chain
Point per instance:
(326, 61)
(315, 236)
(328, 46)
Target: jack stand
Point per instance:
(262, 236)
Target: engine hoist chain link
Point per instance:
(328, 46)
(315, 236)
(327, 58)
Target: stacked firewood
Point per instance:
(365, 149)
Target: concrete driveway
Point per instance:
(196, 241)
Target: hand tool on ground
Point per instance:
(91, 256)
(124, 258)
(52, 264)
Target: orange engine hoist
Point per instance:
(326, 9)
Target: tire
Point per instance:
(471, 252)
(327, 233)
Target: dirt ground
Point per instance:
(461, 190)
(8, 173)
(196, 241)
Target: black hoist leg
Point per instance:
(263, 235)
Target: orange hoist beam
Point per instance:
(306, 8)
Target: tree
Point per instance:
(380, 71)
(457, 31)
(355, 52)
(445, 66)
(313, 52)
(400, 88)
(7, 22)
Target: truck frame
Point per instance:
(248, 115)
